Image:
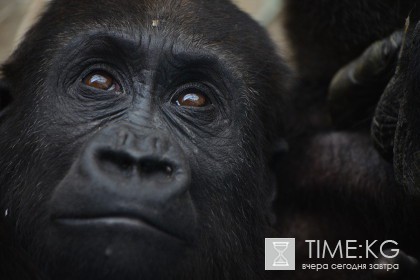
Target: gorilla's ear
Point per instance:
(5, 97)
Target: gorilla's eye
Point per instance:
(102, 80)
(192, 98)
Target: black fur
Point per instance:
(337, 187)
(65, 147)
(395, 126)
(336, 32)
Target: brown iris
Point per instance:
(101, 80)
(192, 99)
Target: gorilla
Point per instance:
(394, 127)
(335, 185)
(136, 140)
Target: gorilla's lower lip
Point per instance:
(114, 221)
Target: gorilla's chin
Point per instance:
(114, 249)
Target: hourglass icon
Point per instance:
(281, 247)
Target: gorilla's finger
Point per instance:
(356, 88)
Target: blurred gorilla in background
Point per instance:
(335, 184)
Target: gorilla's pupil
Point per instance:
(192, 100)
(101, 81)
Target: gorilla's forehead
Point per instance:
(158, 25)
(202, 21)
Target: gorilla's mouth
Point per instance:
(118, 221)
(138, 191)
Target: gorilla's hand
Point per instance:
(357, 87)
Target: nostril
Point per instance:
(120, 162)
(148, 167)
(116, 161)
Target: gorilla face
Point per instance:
(135, 139)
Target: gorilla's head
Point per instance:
(135, 140)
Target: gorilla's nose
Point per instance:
(150, 165)
(146, 164)
(124, 178)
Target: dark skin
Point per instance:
(142, 144)
(339, 187)
(355, 89)
(136, 137)
(394, 128)
(361, 84)
(395, 124)
(353, 26)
